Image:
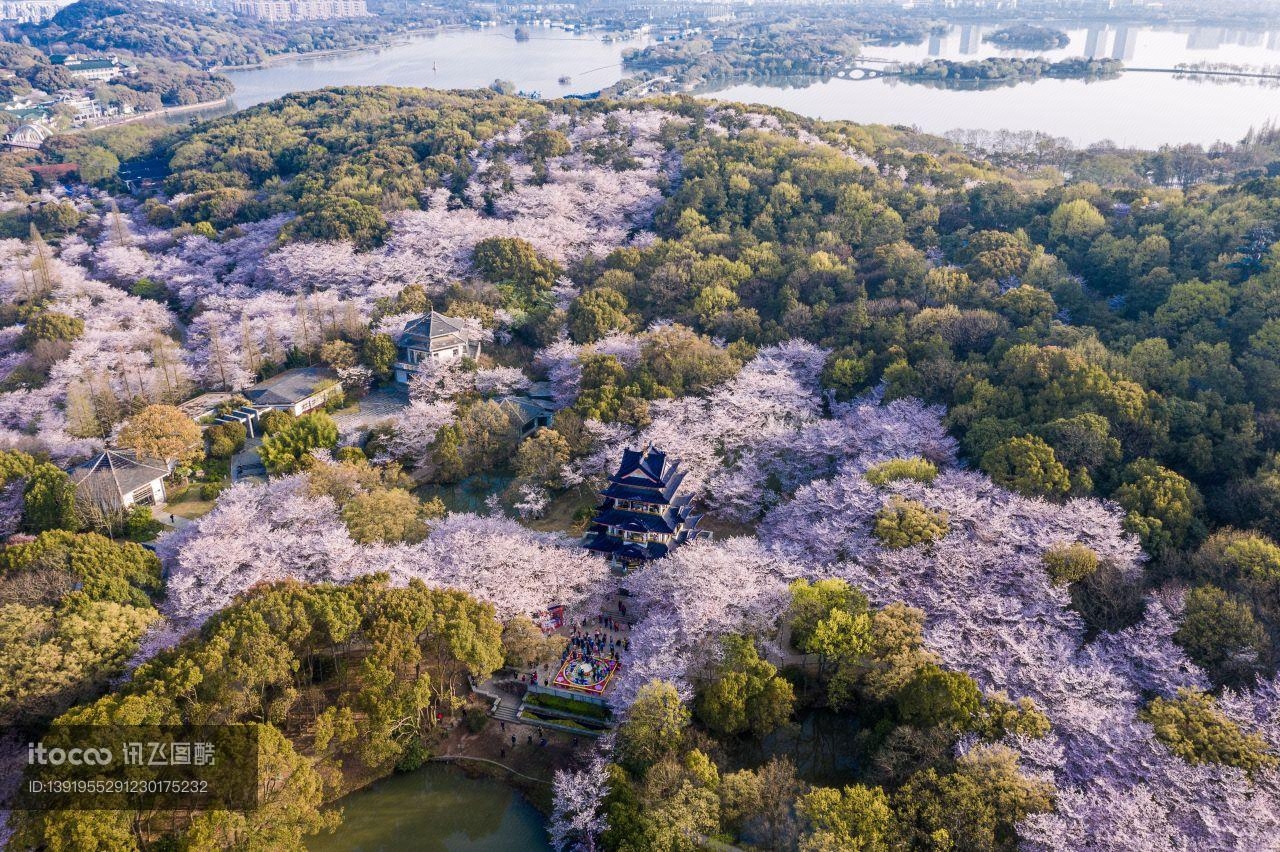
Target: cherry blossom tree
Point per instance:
(577, 799)
(415, 427)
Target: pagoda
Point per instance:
(642, 518)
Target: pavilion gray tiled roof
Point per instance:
(290, 387)
(120, 469)
(434, 331)
(525, 408)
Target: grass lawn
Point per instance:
(726, 529)
(562, 508)
(188, 503)
(567, 705)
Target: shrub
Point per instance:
(225, 439)
(1070, 563)
(139, 525)
(918, 469)
(903, 523)
(475, 719)
(415, 754)
(1193, 728)
(354, 455)
(275, 420)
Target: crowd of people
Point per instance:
(596, 641)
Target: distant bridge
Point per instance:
(862, 72)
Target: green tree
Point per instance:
(49, 500)
(812, 602)
(1075, 221)
(1221, 635)
(977, 807)
(515, 266)
(56, 217)
(329, 217)
(338, 354)
(656, 727)
(744, 693)
(275, 421)
(50, 326)
(541, 456)
(102, 569)
(902, 523)
(545, 143)
(915, 469)
(1027, 465)
(388, 515)
(712, 301)
(1070, 563)
(597, 313)
(97, 165)
(897, 653)
(939, 697)
(524, 644)
(1195, 310)
(1194, 729)
(488, 436)
(1163, 507)
(225, 439)
(290, 448)
(854, 819)
(15, 465)
(446, 454)
(378, 353)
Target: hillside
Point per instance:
(995, 456)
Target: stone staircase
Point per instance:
(246, 415)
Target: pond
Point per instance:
(470, 494)
(828, 749)
(436, 809)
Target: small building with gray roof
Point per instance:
(120, 479)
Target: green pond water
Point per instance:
(436, 809)
(470, 494)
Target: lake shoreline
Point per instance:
(277, 59)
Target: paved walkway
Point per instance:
(247, 465)
(164, 516)
(376, 405)
(453, 758)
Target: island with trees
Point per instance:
(1006, 71)
(1028, 37)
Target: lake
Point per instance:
(1138, 109)
(436, 809)
(453, 59)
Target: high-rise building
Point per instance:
(30, 11)
(1126, 42)
(299, 10)
(1095, 43)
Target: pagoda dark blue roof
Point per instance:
(644, 467)
(625, 489)
(598, 543)
(642, 521)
